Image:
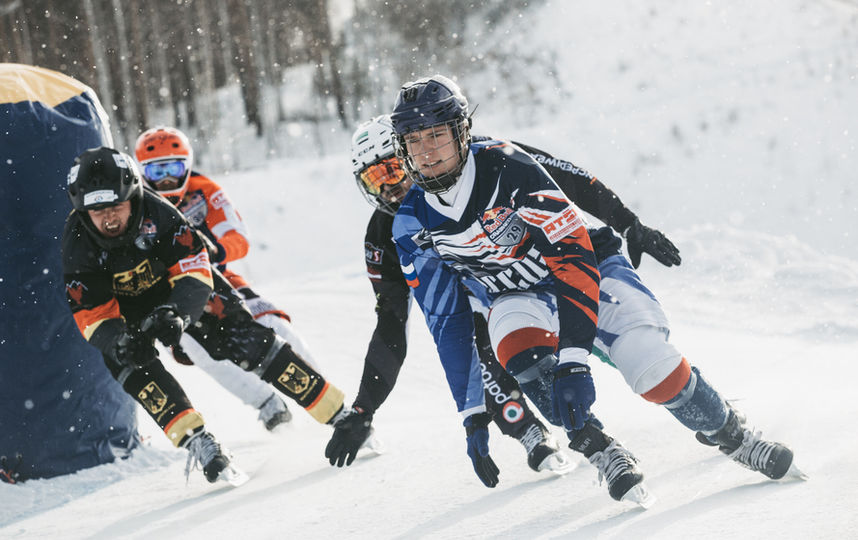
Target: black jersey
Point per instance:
(109, 288)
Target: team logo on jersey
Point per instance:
(294, 379)
(152, 398)
(373, 254)
(75, 291)
(184, 236)
(135, 281)
(503, 226)
(146, 239)
(194, 207)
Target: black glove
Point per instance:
(573, 394)
(641, 239)
(349, 435)
(165, 324)
(133, 349)
(477, 433)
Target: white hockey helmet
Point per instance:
(378, 172)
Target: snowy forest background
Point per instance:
(732, 126)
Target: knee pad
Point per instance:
(518, 322)
(646, 360)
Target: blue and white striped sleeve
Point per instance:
(448, 314)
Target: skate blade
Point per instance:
(640, 495)
(558, 463)
(233, 476)
(795, 473)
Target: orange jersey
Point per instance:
(207, 207)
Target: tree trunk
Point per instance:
(129, 114)
(102, 69)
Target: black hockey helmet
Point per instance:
(102, 177)
(427, 103)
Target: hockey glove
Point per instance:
(349, 435)
(573, 394)
(641, 239)
(165, 324)
(133, 350)
(478, 448)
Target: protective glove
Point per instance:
(165, 324)
(477, 434)
(349, 435)
(641, 239)
(573, 394)
(133, 350)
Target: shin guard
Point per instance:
(164, 400)
(291, 375)
(698, 406)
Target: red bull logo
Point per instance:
(494, 218)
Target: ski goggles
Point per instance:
(156, 172)
(388, 171)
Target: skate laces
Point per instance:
(202, 449)
(532, 438)
(613, 462)
(754, 452)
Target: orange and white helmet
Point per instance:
(166, 157)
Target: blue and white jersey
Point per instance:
(506, 225)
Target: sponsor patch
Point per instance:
(373, 254)
(194, 207)
(513, 412)
(198, 262)
(72, 176)
(120, 161)
(503, 226)
(101, 196)
(219, 199)
(562, 225)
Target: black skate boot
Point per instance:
(204, 450)
(274, 412)
(745, 447)
(616, 464)
(543, 454)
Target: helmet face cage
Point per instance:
(445, 181)
(165, 145)
(432, 102)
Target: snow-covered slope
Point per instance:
(765, 303)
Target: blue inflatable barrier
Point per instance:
(60, 410)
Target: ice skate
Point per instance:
(616, 465)
(543, 453)
(205, 451)
(746, 447)
(273, 412)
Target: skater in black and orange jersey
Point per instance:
(136, 271)
(166, 158)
